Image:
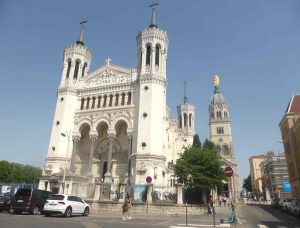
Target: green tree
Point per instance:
(200, 168)
(10, 172)
(196, 142)
(247, 183)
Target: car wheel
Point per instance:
(47, 214)
(86, 212)
(35, 210)
(68, 212)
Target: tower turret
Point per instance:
(77, 59)
(186, 117)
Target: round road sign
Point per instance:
(148, 179)
(228, 171)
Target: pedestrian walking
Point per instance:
(220, 200)
(210, 204)
(126, 207)
(224, 199)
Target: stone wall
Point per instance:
(104, 207)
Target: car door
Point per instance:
(73, 203)
(81, 205)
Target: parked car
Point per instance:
(65, 205)
(5, 202)
(30, 200)
(284, 203)
(275, 203)
(294, 207)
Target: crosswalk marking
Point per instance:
(264, 226)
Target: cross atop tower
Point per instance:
(80, 41)
(185, 98)
(153, 19)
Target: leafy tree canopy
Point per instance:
(14, 172)
(247, 183)
(196, 142)
(200, 168)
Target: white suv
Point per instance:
(65, 205)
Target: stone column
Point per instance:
(76, 139)
(107, 175)
(93, 138)
(120, 99)
(149, 193)
(179, 187)
(129, 157)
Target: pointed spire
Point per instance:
(185, 98)
(153, 17)
(216, 83)
(80, 40)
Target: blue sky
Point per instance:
(252, 45)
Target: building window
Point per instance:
(88, 103)
(123, 99)
(83, 69)
(93, 104)
(184, 119)
(148, 54)
(104, 102)
(180, 121)
(157, 51)
(68, 69)
(129, 98)
(117, 100)
(144, 144)
(146, 88)
(99, 101)
(82, 104)
(145, 115)
(190, 119)
(110, 100)
(76, 69)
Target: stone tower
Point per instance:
(76, 62)
(186, 118)
(220, 135)
(149, 128)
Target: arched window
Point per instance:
(83, 69)
(93, 104)
(99, 101)
(148, 54)
(82, 104)
(225, 149)
(222, 130)
(218, 148)
(157, 52)
(180, 121)
(88, 103)
(129, 98)
(68, 69)
(110, 100)
(76, 69)
(104, 101)
(185, 119)
(212, 115)
(190, 119)
(123, 99)
(117, 100)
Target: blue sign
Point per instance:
(286, 186)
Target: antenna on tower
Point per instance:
(185, 98)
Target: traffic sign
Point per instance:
(148, 179)
(228, 171)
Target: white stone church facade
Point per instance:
(113, 125)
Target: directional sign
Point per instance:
(228, 171)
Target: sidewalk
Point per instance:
(204, 220)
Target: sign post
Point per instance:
(229, 173)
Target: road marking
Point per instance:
(203, 225)
(165, 222)
(90, 225)
(262, 226)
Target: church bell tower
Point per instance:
(150, 99)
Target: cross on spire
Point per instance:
(185, 98)
(80, 41)
(153, 18)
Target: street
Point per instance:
(249, 215)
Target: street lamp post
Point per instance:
(66, 134)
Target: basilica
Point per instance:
(113, 126)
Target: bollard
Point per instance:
(186, 220)
(214, 218)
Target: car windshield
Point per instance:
(56, 197)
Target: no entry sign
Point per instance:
(148, 179)
(228, 171)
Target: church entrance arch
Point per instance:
(83, 149)
(102, 149)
